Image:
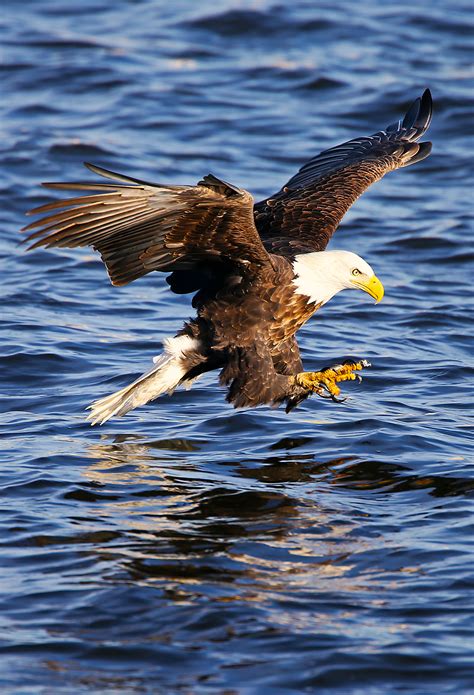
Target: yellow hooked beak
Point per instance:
(372, 286)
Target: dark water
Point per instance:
(190, 548)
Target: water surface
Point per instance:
(190, 548)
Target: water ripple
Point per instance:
(190, 547)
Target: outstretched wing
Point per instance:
(138, 227)
(304, 215)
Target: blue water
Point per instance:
(191, 548)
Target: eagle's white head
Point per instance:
(322, 274)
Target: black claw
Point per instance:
(331, 397)
(338, 400)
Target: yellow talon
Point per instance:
(326, 381)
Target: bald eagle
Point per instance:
(258, 271)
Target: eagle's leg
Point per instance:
(324, 383)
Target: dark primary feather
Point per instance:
(305, 213)
(139, 227)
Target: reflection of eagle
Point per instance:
(258, 271)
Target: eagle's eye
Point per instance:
(356, 271)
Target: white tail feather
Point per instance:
(167, 372)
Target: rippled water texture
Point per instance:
(190, 548)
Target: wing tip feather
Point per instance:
(418, 117)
